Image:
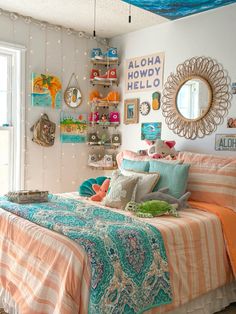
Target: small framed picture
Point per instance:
(225, 142)
(131, 111)
(231, 123)
(233, 88)
(151, 131)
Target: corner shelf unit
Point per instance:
(104, 106)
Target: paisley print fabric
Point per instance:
(128, 259)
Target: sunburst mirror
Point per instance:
(196, 98)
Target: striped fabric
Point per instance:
(46, 273)
(212, 179)
(130, 155)
(43, 271)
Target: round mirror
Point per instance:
(194, 98)
(73, 97)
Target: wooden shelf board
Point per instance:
(114, 125)
(105, 62)
(105, 104)
(103, 168)
(104, 146)
(104, 83)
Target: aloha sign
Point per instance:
(225, 142)
(144, 73)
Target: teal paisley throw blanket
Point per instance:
(128, 258)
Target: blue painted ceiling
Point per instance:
(172, 9)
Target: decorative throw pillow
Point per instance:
(141, 166)
(86, 188)
(122, 190)
(130, 155)
(146, 182)
(134, 161)
(172, 176)
(212, 179)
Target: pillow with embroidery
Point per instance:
(122, 190)
(146, 182)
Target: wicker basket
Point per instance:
(28, 196)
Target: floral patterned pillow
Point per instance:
(122, 190)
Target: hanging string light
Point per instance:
(129, 13)
(94, 19)
(43, 25)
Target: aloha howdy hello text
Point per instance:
(144, 73)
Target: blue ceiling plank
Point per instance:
(173, 10)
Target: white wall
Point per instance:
(208, 34)
(61, 167)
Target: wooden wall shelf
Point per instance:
(106, 63)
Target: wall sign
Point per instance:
(73, 127)
(231, 123)
(46, 91)
(144, 73)
(233, 88)
(225, 142)
(151, 131)
(144, 108)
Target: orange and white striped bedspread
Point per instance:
(44, 272)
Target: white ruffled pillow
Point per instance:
(146, 182)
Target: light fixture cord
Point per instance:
(129, 13)
(94, 16)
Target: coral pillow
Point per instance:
(129, 155)
(212, 179)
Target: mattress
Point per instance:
(43, 271)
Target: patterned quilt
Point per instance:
(128, 259)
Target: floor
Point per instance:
(229, 310)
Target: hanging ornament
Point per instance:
(72, 95)
(156, 100)
(144, 108)
(13, 16)
(130, 13)
(27, 19)
(94, 19)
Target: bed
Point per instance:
(42, 271)
(191, 267)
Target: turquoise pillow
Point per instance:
(172, 176)
(135, 165)
(86, 187)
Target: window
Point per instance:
(188, 99)
(11, 117)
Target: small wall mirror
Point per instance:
(196, 98)
(72, 97)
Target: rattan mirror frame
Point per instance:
(218, 83)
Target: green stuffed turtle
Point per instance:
(152, 209)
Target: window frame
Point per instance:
(16, 114)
